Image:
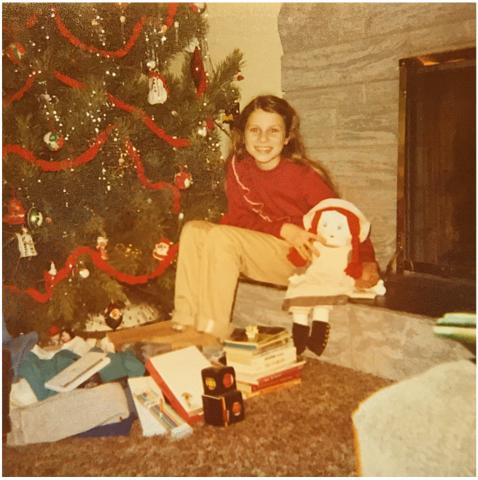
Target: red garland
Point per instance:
(88, 156)
(48, 166)
(92, 49)
(19, 94)
(153, 186)
(51, 281)
(146, 119)
(67, 80)
(172, 8)
(149, 122)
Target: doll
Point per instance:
(330, 277)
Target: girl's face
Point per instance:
(264, 138)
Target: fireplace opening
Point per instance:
(434, 271)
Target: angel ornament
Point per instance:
(330, 278)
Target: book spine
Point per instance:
(191, 419)
(274, 360)
(250, 387)
(246, 356)
(260, 380)
(275, 388)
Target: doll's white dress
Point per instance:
(324, 282)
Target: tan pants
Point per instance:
(211, 258)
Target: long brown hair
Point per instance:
(294, 150)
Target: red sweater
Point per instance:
(264, 200)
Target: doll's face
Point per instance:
(333, 229)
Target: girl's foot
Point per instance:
(300, 335)
(319, 337)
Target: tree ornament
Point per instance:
(151, 64)
(26, 246)
(54, 333)
(193, 44)
(161, 249)
(114, 314)
(83, 272)
(34, 218)
(53, 271)
(16, 212)
(210, 123)
(198, 72)
(199, 7)
(101, 244)
(228, 115)
(158, 92)
(202, 130)
(54, 141)
(239, 76)
(15, 52)
(183, 179)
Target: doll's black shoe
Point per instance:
(300, 335)
(319, 337)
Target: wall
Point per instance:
(340, 71)
(251, 27)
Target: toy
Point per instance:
(330, 278)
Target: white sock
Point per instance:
(302, 318)
(321, 314)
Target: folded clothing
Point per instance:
(67, 414)
(38, 371)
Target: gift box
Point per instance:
(218, 380)
(224, 409)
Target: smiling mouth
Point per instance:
(263, 149)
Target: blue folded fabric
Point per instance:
(19, 347)
(122, 427)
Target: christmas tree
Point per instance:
(108, 148)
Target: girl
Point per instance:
(270, 185)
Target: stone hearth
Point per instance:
(387, 343)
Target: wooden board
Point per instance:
(162, 332)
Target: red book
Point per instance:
(178, 374)
(251, 387)
(278, 374)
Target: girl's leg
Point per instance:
(206, 284)
(186, 293)
(319, 335)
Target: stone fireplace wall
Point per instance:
(340, 70)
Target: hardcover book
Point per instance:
(273, 388)
(78, 372)
(155, 416)
(272, 360)
(265, 336)
(460, 326)
(178, 374)
(263, 378)
(285, 377)
(244, 355)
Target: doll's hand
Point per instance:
(300, 239)
(370, 275)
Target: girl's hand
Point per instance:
(300, 239)
(370, 275)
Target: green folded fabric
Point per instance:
(37, 371)
(461, 319)
(123, 364)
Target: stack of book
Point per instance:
(460, 326)
(265, 362)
